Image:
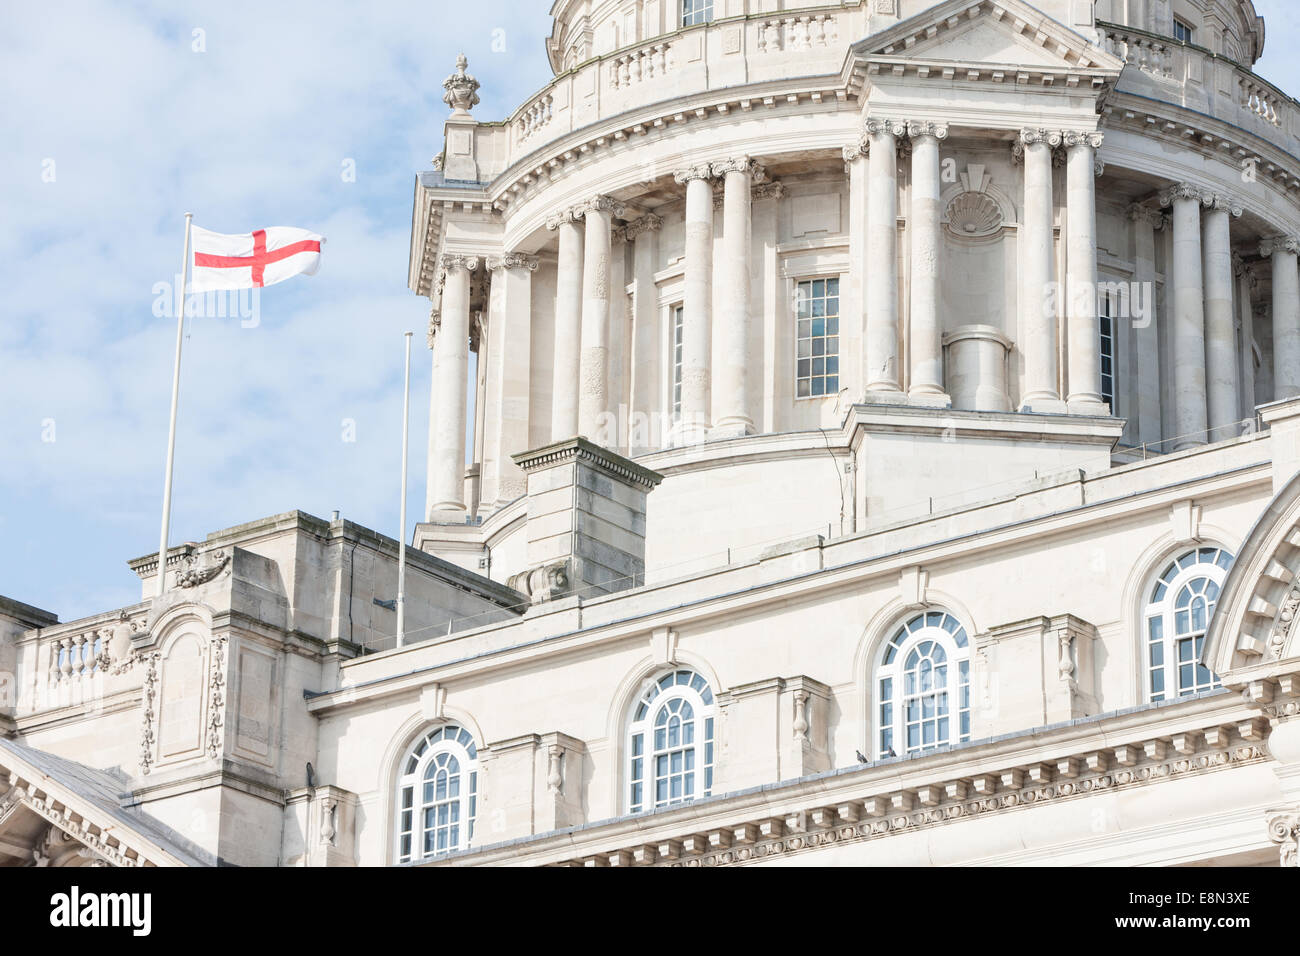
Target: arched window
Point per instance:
(923, 686)
(437, 794)
(1177, 617)
(670, 742)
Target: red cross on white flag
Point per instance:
(254, 260)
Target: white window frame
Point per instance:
(410, 826)
(831, 381)
(643, 752)
(1187, 29)
(1171, 643)
(1107, 311)
(695, 12)
(934, 627)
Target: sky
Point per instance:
(118, 118)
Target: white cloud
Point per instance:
(251, 132)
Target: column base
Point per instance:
(448, 512)
(688, 435)
(882, 396)
(1044, 406)
(1087, 406)
(731, 428)
(929, 399)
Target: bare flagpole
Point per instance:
(401, 533)
(171, 432)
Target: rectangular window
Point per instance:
(1106, 310)
(677, 362)
(817, 338)
(1183, 33)
(696, 11)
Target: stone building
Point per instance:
(861, 432)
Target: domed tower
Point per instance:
(827, 266)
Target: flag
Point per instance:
(253, 260)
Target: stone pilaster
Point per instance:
(508, 382)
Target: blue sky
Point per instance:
(113, 126)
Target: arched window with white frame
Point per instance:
(1177, 618)
(437, 794)
(922, 682)
(670, 742)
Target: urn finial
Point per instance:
(462, 89)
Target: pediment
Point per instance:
(1001, 33)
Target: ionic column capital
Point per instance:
(570, 215)
(884, 127)
(741, 164)
(1279, 244)
(600, 203)
(1222, 203)
(435, 323)
(916, 129)
(513, 260)
(856, 151)
(702, 171)
(1076, 139)
(637, 227)
(774, 190)
(1182, 191)
(453, 261)
(1031, 136)
(1142, 213)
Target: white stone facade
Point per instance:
(872, 402)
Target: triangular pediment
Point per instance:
(987, 33)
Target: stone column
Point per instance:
(1144, 339)
(853, 325)
(1081, 256)
(730, 367)
(509, 355)
(1038, 390)
(1286, 315)
(450, 381)
(1220, 323)
(697, 307)
(568, 325)
(882, 371)
(1245, 275)
(1188, 316)
(926, 386)
(593, 394)
(647, 376)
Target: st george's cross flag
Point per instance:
(253, 260)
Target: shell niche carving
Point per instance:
(973, 214)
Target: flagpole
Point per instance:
(171, 431)
(401, 534)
